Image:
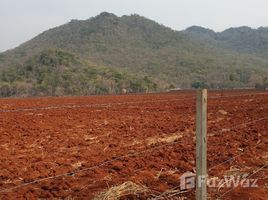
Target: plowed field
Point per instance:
(78, 147)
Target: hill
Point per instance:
(108, 54)
(242, 39)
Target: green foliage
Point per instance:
(106, 54)
(55, 72)
(242, 39)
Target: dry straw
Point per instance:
(125, 189)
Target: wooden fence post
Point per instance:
(201, 145)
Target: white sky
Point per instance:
(21, 20)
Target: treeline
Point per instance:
(57, 73)
(236, 79)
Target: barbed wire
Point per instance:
(258, 170)
(105, 105)
(119, 103)
(215, 166)
(221, 131)
(228, 160)
(232, 158)
(239, 95)
(96, 137)
(74, 172)
(159, 197)
(167, 192)
(236, 126)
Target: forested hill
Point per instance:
(108, 54)
(242, 39)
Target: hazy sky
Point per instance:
(21, 20)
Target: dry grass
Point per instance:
(223, 112)
(174, 193)
(77, 165)
(154, 140)
(116, 192)
(167, 139)
(164, 172)
(234, 171)
(89, 138)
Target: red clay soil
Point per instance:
(77, 147)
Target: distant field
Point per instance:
(77, 147)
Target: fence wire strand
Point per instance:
(255, 172)
(72, 173)
(107, 105)
(226, 161)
